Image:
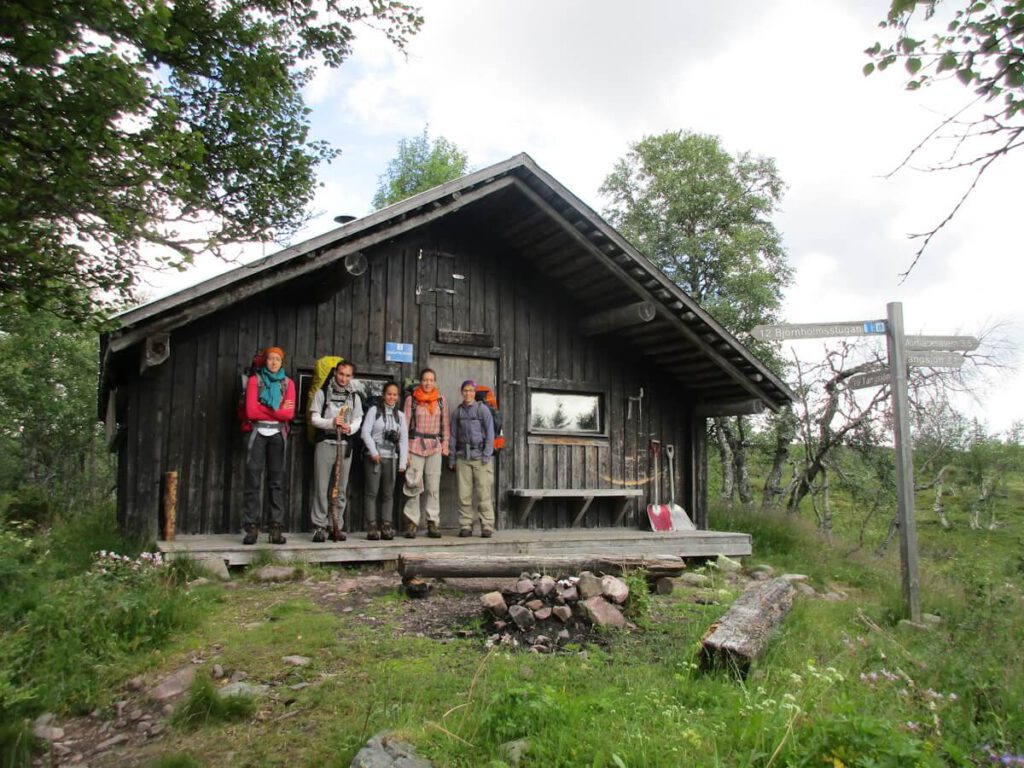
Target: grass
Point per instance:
(841, 684)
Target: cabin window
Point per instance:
(567, 413)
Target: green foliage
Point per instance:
(981, 45)
(638, 606)
(703, 216)
(70, 620)
(178, 761)
(420, 164)
(204, 706)
(52, 448)
(176, 125)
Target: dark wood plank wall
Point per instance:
(182, 415)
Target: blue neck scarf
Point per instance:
(271, 387)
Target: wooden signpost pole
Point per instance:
(904, 462)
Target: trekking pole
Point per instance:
(336, 486)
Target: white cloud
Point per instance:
(573, 83)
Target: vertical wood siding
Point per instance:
(181, 416)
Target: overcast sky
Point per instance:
(573, 83)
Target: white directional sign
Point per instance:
(936, 343)
(869, 379)
(935, 359)
(795, 331)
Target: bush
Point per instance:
(29, 506)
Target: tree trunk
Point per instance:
(728, 489)
(468, 566)
(741, 635)
(742, 471)
(939, 506)
(785, 429)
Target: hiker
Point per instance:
(426, 413)
(386, 438)
(337, 413)
(269, 406)
(469, 454)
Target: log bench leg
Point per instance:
(585, 503)
(525, 508)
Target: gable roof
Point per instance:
(544, 223)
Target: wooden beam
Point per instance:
(745, 407)
(619, 317)
(469, 338)
(742, 634)
(730, 370)
(468, 566)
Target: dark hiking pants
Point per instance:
(264, 453)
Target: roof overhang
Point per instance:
(543, 223)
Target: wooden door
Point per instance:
(451, 372)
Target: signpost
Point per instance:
(869, 379)
(903, 351)
(935, 359)
(797, 331)
(949, 343)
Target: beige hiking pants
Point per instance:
(474, 474)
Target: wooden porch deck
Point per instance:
(515, 541)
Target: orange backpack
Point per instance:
(485, 395)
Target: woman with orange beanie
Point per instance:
(426, 413)
(269, 406)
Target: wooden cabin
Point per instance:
(503, 276)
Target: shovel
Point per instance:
(680, 520)
(659, 514)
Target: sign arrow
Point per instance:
(935, 359)
(935, 343)
(796, 331)
(869, 379)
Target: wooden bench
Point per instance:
(528, 498)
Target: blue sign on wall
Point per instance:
(396, 352)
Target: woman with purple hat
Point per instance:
(470, 451)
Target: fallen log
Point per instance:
(468, 566)
(742, 634)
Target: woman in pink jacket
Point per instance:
(269, 406)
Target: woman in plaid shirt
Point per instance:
(426, 413)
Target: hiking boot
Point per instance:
(372, 533)
(252, 534)
(432, 531)
(465, 533)
(319, 535)
(387, 532)
(340, 537)
(410, 530)
(486, 533)
(277, 535)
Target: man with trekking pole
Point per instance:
(337, 413)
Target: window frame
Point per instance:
(539, 388)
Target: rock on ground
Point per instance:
(614, 589)
(271, 573)
(696, 580)
(589, 586)
(495, 603)
(174, 684)
(523, 617)
(728, 565)
(384, 751)
(242, 689)
(602, 613)
(213, 567)
(296, 661)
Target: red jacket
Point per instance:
(257, 411)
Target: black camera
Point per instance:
(391, 436)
